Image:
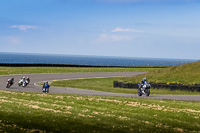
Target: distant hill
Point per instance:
(186, 74)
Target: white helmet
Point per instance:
(144, 79)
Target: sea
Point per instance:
(89, 60)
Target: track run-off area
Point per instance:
(35, 78)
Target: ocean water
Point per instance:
(89, 60)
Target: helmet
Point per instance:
(144, 79)
(24, 77)
(46, 82)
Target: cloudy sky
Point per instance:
(128, 28)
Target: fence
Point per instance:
(171, 86)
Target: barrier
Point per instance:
(69, 65)
(171, 86)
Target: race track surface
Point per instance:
(59, 90)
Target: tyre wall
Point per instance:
(171, 86)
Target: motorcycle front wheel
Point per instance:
(139, 92)
(147, 92)
(8, 86)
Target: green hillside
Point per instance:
(186, 74)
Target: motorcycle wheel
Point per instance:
(47, 90)
(8, 86)
(147, 92)
(139, 92)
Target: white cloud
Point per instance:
(24, 27)
(118, 29)
(113, 38)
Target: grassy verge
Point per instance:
(106, 84)
(36, 112)
(185, 74)
(30, 70)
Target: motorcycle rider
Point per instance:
(24, 79)
(143, 82)
(144, 79)
(28, 80)
(10, 81)
(46, 86)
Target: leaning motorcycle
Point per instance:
(9, 84)
(144, 89)
(23, 83)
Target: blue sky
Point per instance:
(128, 28)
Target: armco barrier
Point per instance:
(171, 86)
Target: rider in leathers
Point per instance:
(143, 81)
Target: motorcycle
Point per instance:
(144, 89)
(9, 83)
(22, 83)
(45, 88)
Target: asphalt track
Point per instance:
(32, 87)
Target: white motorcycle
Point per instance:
(22, 83)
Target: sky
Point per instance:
(126, 28)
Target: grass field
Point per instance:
(31, 70)
(106, 84)
(36, 112)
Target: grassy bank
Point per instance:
(36, 112)
(106, 84)
(186, 74)
(31, 70)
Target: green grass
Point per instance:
(186, 74)
(36, 112)
(106, 84)
(31, 70)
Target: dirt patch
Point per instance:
(179, 129)
(5, 101)
(82, 115)
(124, 118)
(45, 109)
